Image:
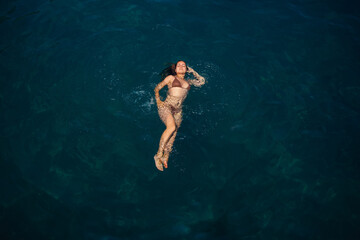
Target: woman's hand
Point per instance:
(194, 73)
(159, 103)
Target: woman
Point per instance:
(170, 110)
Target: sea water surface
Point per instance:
(268, 147)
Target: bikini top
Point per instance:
(176, 83)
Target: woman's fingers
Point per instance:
(160, 103)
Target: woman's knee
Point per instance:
(170, 123)
(171, 128)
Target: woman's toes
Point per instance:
(158, 163)
(164, 162)
(159, 166)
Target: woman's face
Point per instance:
(180, 67)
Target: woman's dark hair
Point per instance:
(170, 70)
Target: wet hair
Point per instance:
(170, 70)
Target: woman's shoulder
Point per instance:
(169, 79)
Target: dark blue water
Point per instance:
(268, 148)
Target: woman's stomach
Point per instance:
(174, 101)
(177, 92)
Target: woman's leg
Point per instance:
(170, 143)
(170, 129)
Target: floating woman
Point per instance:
(170, 110)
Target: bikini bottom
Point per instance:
(172, 105)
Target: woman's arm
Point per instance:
(160, 86)
(199, 81)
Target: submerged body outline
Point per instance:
(170, 110)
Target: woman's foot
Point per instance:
(165, 159)
(158, 162)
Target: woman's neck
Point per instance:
(181, 76)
